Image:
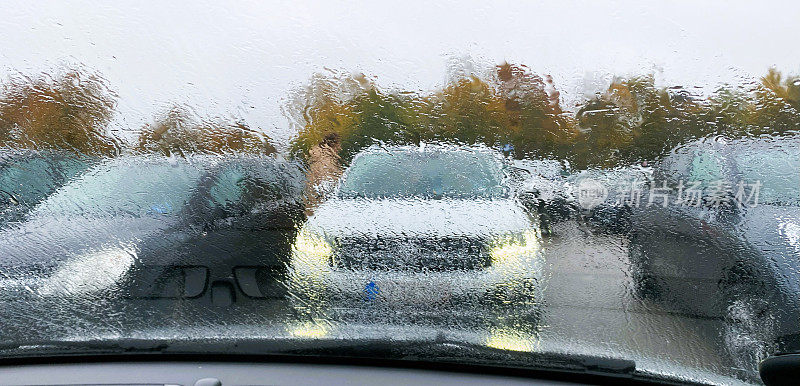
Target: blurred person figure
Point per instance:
(324, 169)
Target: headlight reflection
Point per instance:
(510, 250)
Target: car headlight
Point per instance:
(311, 250)
(512, 249)
(89, 273)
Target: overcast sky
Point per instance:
(243, 58)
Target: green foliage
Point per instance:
(633, 120)
(381, 118)
(636, 121)
(607, 133)
(788, 89)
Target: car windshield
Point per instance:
(781, 186)
(424, 174)
(29, 177)
(126, 187)
(605, 188)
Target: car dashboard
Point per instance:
(198, 373)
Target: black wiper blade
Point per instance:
(458, 352)
(437, 350)
(440, 355)
(67, 347)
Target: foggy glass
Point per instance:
(508, 185)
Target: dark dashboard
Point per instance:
(239, 373)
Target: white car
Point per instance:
(430, 227)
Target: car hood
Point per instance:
(72, 255)
(419, 218)
(46, 241)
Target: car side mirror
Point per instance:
(519, 173)
(529, 200)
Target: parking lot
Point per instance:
(589, 302)
(588, 307)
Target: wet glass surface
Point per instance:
(512, 185)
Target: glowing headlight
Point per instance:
(311, 250)
(511, 248)
(89, 273)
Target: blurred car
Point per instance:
(611, 195)
(28, 177)
(155, 227)
(432, 227)
(735, 244)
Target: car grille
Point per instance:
(434, 254)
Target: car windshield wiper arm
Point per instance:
(437, 354)
(433, 352)
(457, 352)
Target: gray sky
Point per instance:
(243, 58)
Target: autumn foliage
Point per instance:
(632, 120)
(508, 106)
(177, 132)
(513, 107)
(69, 111)
(72, 112)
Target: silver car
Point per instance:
(430, 227)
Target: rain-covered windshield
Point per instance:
(781, 186)
(125, 187)
(424, 174)
(605, 187)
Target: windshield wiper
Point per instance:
(461, 352)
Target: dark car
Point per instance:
(158, 227)
(720, 238)
(604, 198)
(28, 177)
(540, 187)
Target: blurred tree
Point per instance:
(386, 119)
(177, 132)
(787, 89)
(633, 120)
(607, 133)
(665, 119)
(324, 106)
(728, 112)
(768, 107)
(514, 107)
(776, 106)
(469, 111)
(536, 124)
(69, 111)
